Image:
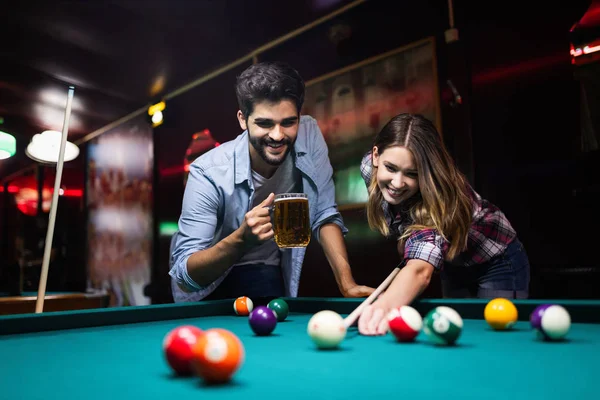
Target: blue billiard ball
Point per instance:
(262, 320)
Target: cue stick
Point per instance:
(39, 305)
(350, 319)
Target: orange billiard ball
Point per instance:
(501, 314)
(177, 348)
(218, 354)
(243, 305)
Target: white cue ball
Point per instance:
(326, 329)
(556, 322)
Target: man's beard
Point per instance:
(260, 145)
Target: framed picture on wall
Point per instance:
(352, 104)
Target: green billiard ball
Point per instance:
(443, 325)
(280, 307)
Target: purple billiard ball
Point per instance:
(262, 320)
(536, 316)
(550, 321)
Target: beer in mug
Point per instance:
(291, 220)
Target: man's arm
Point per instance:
(197, 260)
(205, 266)
(334, 247)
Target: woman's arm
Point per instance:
(410, 282)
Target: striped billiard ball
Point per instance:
(404, 323)
(550, 321)
(243, 305)
(443, 325)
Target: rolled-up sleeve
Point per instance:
(426, 245)
(326, 210)
(197, 225)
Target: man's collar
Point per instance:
(242, 158)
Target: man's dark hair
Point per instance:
(268, 81)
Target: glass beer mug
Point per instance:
(291, 220)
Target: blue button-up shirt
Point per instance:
(219, 192)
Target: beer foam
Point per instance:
(291, 198)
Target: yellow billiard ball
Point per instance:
(500, 314)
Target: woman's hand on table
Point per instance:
(373, 320)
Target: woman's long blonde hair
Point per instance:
(443, 202)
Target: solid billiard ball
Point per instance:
(501, 313)
(217, 355)
(177, 348)
(326, 329)
(442, 325)
(280, 307)
(262, 320)
(243, 305)
(551, 321)
(404, 323)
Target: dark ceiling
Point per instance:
(121, 54)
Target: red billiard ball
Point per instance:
(405, 323)
(178, 348)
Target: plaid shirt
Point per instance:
(489, 235)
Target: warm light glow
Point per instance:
(157, 118)
(176, 170)
(52, 117)
(58, 99)
(11, 189)
(576, 52)
(155, 111)
(62, 192)
(592, 49)
(8, 145)
(45, 148)
(156, 107)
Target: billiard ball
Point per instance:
(280, 307)
(243, 305)
(535, 318)
(217, 355)
(326, 329)
(442, 325)
(404, 323)
(551, 321)
(262, 320)
(177, 348)
(501, 314)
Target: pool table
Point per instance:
(53, 301)
(116, 353)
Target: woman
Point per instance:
(417, 195)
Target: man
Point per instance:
(224, 247)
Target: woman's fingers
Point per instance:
(375, 320)
(364, 319)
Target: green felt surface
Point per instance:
(126, 361)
